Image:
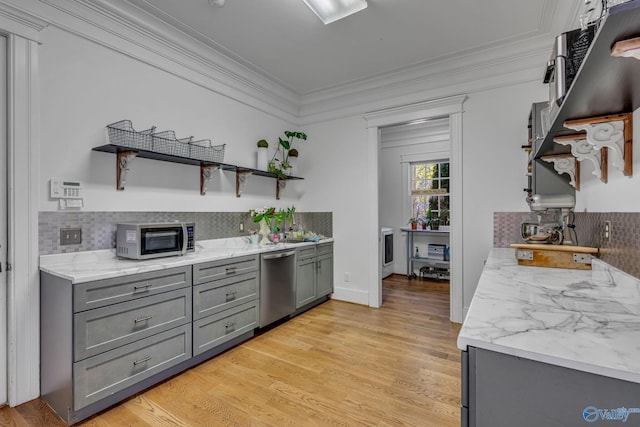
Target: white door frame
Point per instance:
(23, 163)
(3, 222)
(447, 107)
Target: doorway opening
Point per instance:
(448, 110)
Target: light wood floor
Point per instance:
(338, 364)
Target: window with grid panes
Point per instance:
(429, 187)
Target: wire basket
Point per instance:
(123, 134)
(166, 142)
(203, 150)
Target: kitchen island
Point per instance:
(545, 346)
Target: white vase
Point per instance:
(292, 162)
(261, 159)
(264, 232)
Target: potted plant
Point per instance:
(434, 221)
(282, 166)
(424, 222)
(414, 223)
(261, 158)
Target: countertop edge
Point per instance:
(464, 343)
(59, 264)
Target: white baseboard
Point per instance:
(351, 295)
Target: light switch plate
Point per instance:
(70, 236)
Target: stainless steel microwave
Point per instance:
(154, 240)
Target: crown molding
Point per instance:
(124, 27)
(510, 64)
(119, 26)
(20, 23)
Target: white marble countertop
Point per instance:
(80, 267)
(584, 320)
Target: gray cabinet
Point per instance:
(305, 276)
(314, 274)
(99, 377)
(324, 272)
(225, 302)
(503, 390)
(104, 340)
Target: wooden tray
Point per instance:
(557, 256)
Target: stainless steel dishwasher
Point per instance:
(277, 286)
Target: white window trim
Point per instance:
(406, 182)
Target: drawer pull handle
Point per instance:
(142, 319)
(231, 295)
(144, 359)
(230, 270)
(229, 327)
(143, 287)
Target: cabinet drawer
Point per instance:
(105, 328)
(102, 375)
(214, 270)
(303, 254)
(219, 328)
(110, 291)
(219, 295)
(324, 248)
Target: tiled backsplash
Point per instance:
(99, 228)
(622, 251)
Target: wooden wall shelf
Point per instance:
(125, 155)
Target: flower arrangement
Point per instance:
(267, 214)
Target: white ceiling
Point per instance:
(285, 41)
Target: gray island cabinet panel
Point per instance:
(500, 390)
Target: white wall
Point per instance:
(334, 167)
(86, 86)
(495, 127)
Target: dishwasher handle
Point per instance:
(280, 255)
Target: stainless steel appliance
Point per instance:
(569, 50)
(277, 286)
(154, 240)
(386, 238)
(551, 222)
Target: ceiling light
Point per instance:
(332, 10)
